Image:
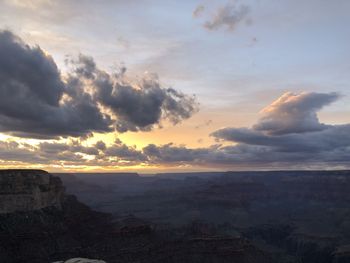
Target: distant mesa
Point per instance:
(29, 190)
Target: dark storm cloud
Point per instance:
(84, 66)
(228, 16)
(137, 107)
(36, 101)
(31, 92)
(141, 107)
(28, 70)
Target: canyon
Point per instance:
(243, 217)
(46, 225)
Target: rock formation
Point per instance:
(28, 190)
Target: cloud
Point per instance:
(170, 153)
(205, 124)
(29, 4)
(290, 130)
(228, 16)
(124, 152)
(13, 152)
(100, 145)
(142, 106)
(198, 11)
(37, 101)
(294, 145)
(326, 146)
(336, 136)
(74, 147)
(50, 11)
(31, 93)
(71, 152)
(295, 113)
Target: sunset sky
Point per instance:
(163, 85)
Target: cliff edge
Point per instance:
(29, 190)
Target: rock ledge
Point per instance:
(28, 190)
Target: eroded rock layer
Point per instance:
(28, 190)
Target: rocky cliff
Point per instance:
(28, 190)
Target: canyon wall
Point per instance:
(28, 190)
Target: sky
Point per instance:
(159, 85)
